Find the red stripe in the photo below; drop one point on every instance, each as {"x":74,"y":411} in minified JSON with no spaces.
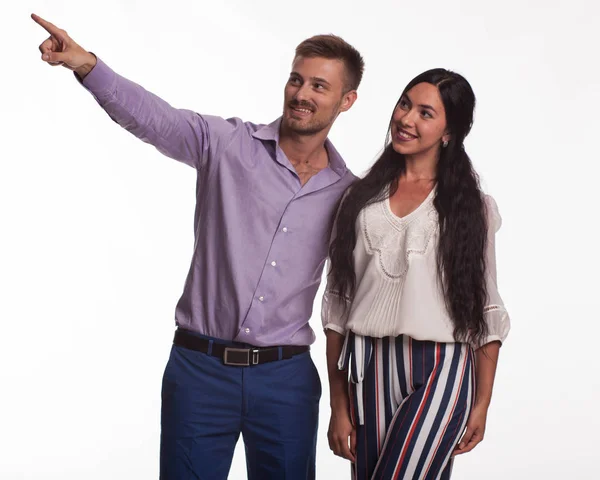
{"x":419,"y":413}
{"x":410,"y":369}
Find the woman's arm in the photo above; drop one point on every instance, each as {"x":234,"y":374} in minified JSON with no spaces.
{"x":486,"y":360}
{"x":340,"y":425}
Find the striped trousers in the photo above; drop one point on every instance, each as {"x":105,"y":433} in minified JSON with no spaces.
{"x":410,"y":401}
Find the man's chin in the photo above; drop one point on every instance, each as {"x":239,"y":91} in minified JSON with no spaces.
{"x":299,"y":127}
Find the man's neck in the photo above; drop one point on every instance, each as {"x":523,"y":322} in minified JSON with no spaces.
{"x":304,"y":149}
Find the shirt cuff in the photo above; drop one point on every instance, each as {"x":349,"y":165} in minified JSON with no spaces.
{"x":100,"y":82}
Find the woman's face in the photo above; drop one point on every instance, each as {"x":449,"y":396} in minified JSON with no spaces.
{"x":419,"y":121}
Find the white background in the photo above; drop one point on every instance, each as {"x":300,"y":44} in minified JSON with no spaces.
{"x":96,"y":227}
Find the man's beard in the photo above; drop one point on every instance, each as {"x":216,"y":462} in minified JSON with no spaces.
{"x":312,"y":127}
{"x":307,"y":129}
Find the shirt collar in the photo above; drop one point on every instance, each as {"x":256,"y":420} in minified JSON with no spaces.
{"x":271,"y":132}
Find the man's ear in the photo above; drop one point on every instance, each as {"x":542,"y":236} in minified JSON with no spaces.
{"x":348,"y":100}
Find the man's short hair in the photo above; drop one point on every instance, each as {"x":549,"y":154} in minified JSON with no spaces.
{"x":335,"y":48}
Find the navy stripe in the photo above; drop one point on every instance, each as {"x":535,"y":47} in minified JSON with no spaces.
{"x":387,"y":387}
{"x":353,"y":364}
{"x":399,"y":345}
{"x":447,"y":471}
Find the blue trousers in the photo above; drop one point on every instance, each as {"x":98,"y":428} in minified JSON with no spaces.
{"x":206,"y":405}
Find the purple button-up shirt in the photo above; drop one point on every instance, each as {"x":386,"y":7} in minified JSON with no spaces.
{"x":261,"y":238}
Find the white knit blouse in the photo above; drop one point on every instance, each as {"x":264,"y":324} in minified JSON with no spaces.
{"x":397,"y":288}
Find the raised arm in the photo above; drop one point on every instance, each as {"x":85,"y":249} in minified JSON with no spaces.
{"x":177,"y":133}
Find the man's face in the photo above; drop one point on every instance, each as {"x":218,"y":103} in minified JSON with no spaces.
{"x":315,"y":95}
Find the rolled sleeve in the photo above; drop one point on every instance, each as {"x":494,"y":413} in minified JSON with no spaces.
{"x":334,"y":312}
{"x":495,"y":314}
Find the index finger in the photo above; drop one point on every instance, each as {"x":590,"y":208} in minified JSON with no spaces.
{"x":49,"y":27}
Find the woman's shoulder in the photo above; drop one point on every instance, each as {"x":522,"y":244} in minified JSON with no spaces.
{"x":493,"y":213}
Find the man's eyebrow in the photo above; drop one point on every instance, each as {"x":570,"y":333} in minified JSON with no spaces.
{"x":320,"y":80}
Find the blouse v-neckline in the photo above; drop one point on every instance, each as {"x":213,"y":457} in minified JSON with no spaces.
{"x":406,"y":218}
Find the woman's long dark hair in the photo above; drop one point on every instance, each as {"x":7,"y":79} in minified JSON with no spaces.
{"x":459,"y":204}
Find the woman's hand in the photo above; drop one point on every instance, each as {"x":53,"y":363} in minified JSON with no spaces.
{"x":340,"y":429}
{"x":475,"y":430}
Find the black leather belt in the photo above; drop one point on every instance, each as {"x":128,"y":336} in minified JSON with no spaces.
{"x":234,"y":356}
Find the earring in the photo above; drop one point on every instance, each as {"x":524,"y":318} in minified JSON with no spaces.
{"x":445,"y":144}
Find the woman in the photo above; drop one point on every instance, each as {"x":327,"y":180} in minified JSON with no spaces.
{"x":411,"y":307}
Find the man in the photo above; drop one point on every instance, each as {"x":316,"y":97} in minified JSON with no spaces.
{"x":266,"y":195}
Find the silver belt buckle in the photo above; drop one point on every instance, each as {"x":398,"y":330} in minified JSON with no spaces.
{"x":229,"y":350}
{"x":246,"y":362}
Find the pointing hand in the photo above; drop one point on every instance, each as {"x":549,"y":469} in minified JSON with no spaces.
{"x":60,"y":49}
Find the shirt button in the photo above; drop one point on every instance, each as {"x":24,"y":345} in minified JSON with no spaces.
{"x":247,"y":330}
{"x":273,"y":263}
{"x":261,"y":298}
{"x":284,"y":229}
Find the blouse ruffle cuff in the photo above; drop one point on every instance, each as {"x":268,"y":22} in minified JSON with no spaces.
{"x":498,"y":322}
{"x":333,"y":314}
